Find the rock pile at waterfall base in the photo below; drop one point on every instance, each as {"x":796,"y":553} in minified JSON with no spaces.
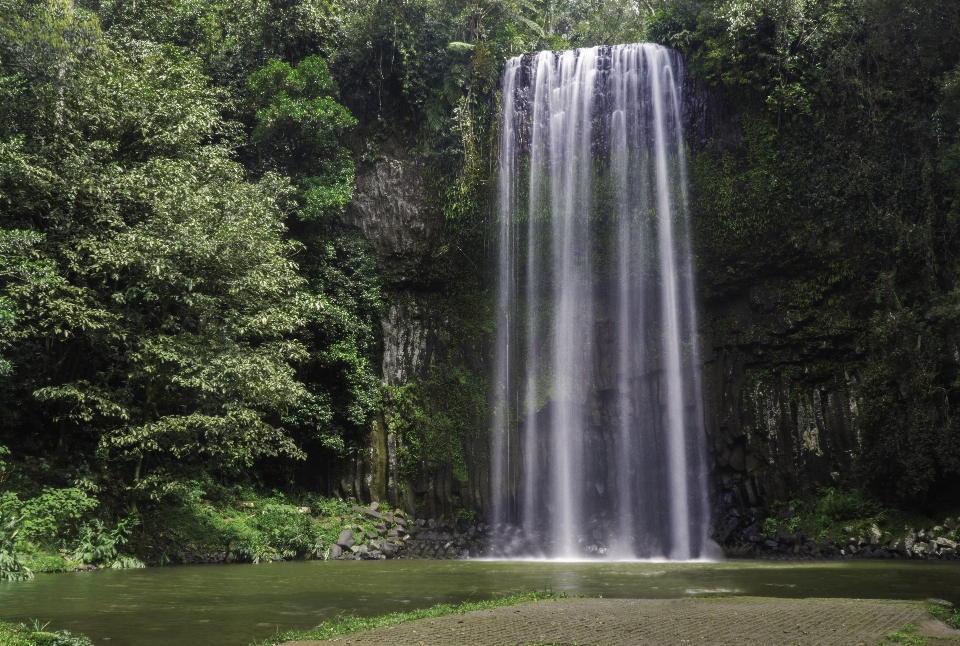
{"x":744,"y":537}
{"x":395,"y":537}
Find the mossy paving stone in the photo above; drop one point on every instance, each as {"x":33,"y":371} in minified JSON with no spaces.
{"x":740,"y":621}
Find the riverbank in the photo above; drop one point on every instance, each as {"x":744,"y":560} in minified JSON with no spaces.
{"x":740,"y":621}
{"x":37,"y":635}
{"x":233,"y":606}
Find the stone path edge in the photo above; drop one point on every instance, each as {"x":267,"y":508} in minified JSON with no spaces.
{"x":651,"y":622}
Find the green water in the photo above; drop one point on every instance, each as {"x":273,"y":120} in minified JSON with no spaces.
{"x":233,"y":605}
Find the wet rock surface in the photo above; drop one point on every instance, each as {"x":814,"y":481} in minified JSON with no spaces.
{"x":397,"y":537}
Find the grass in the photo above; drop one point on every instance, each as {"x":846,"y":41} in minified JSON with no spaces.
{"x":23,"y":635}
{"x":908,"y":636}
{"x":346,"y":624}
{"x":948,"y":616}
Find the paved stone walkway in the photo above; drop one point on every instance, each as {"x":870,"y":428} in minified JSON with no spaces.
{"x":734,"y":621}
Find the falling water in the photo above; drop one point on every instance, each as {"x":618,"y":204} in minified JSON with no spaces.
{"x":598,"y":444}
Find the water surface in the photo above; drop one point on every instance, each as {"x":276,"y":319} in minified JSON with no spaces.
{"x":233,"y":605}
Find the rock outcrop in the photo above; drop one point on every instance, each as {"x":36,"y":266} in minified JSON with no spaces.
{"x":391,"y":208}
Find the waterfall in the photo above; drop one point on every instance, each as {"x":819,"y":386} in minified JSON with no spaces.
{"x":598,"y":444}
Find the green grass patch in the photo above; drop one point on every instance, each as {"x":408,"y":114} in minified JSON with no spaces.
{"x":948,"y":616}
{"x":346,"y":624}
{"x":907,"y":636}
{"x":23,"y":635}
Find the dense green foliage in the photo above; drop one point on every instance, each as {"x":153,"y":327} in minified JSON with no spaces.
{"x":155,"y":320}
{"x":842,"y":191}
{"x":183,"y":310}
{"x":181,"y":304}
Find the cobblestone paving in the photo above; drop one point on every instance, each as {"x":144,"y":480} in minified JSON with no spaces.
{"x":739,"y":621}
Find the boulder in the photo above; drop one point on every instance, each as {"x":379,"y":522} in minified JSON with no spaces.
{"x":335,"y":552}
{"x":910,"y":540}
{"x":725,"y":528}
{"x":372,"y":513}
{"x":345,"y":540}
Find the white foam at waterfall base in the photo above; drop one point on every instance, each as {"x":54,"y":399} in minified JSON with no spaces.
{"x":597,"y":443}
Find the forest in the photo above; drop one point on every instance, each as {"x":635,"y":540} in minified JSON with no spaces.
{"x":188,"y":321}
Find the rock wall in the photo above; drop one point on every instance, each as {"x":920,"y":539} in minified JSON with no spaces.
{"x":422,"y":340}
{"x":390,"y":207}
{"x":781,"y":405}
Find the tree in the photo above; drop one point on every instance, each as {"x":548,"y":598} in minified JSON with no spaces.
{"x":163,"y":338}
{"x":299,"y":129}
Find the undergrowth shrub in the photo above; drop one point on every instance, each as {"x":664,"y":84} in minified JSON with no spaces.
{"x":45,"y":563}
{"x":248,"y":529}
{"x":838,"y":505}
{"x":98,"y":543}
{"x":831,"y":510}
{"x":281,"y":531}
{"x":11,"y":569}
{"x":51,"y":520}
{"x":22,"y":635}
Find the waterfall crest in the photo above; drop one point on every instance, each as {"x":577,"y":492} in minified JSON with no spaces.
{"x":598,"y":441}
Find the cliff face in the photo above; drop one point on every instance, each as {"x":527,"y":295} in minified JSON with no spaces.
{"x":390,"y":207}
{"x":781,"y":405}
{"x":423,"y":452}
